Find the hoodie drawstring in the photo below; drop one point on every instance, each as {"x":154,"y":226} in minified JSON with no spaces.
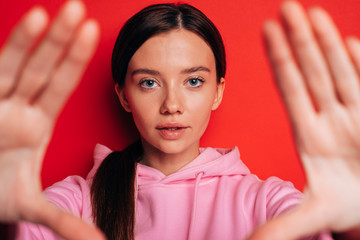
{"x":193,"y":214}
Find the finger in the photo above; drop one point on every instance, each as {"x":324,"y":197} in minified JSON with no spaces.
{"x":13,"y":52}
{"x":302,"y":222}
{"x":69,"y":73}
{"x":309,"y":56}
{"x":50,"y":50}
{"x":64,"y":224}
{"x":288,"y":76}
{"x":354,"y":50}
{"x":345,"y":76}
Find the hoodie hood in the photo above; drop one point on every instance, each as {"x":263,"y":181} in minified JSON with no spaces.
{"x":210,"y":162}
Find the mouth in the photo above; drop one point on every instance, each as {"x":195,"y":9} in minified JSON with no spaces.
{"x":171,"y":128}
{"x":171,"y":131}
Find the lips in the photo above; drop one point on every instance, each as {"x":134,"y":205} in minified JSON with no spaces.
{"x":171,"y":131}
{"x":173,"y":126}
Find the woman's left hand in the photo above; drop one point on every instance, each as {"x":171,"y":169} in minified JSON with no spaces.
{"x":318,"y":77}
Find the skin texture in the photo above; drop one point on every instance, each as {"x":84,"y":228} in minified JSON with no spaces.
{"x":317,"y":75}
{"x":171,"y":79}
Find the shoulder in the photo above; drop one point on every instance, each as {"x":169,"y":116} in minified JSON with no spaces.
{"x":248,"y":186}
{"x":278,"y":196}
{"x":274,"y":197}
{"x":71,"y":194}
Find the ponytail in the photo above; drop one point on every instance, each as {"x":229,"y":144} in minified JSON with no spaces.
{"x":113,"y":193}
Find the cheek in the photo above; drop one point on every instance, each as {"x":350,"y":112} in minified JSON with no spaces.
{"x":144,"y":111}
{"x":200,"y":108}
{"x":140,"y":115}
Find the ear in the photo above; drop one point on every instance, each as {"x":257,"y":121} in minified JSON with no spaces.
{"x":219,"y":94}
{"x":120,"y":91}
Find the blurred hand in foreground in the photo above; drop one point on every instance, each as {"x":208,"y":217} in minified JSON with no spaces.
{"x":36,"y":78}
{"x":318,"y":77}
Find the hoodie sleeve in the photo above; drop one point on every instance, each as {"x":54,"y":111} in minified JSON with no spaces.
{"x":279,"y":197}
{"x":71,"y":195}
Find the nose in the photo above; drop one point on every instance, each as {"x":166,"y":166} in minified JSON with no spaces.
{"x":172,"y":103}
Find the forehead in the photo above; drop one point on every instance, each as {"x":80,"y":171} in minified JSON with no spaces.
{"x":175,"y":49}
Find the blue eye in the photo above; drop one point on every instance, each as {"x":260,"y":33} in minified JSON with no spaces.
{"x":148,"y":84}
{"x":195,"y":82}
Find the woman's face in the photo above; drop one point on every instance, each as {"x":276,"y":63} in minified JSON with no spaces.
{"x":171,"y":89}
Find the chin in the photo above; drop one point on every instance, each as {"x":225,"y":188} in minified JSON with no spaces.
{"x":173,"y":147}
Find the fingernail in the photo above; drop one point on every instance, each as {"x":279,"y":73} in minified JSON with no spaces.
{"x":36,"y":20}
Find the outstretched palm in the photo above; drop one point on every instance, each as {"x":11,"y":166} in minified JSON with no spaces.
{"x":34,"y":86}
{"x":320,"y":84}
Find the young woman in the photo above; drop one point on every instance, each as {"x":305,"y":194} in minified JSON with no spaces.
{"x":169,"y":66}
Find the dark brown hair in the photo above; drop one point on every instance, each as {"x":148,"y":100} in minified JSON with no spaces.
{"x":113,"y":188}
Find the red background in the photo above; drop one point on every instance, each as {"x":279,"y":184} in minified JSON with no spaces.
{"x":251,"y":115}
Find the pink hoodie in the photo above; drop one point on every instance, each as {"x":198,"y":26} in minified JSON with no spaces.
{"x":213,"y":197}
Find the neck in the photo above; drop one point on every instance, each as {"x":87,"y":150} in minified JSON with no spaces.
{"x":168,"y":163}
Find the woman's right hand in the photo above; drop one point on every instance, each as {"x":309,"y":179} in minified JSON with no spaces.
{"x":35,"y":82}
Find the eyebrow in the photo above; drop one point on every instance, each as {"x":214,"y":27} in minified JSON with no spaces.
{"x":196,"y":69}
{"x":157,"y":73}
{"x":145,"y":71}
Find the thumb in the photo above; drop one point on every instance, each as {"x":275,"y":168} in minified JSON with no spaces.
{"x":303,"y":221}
{"x":64,"y":224}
